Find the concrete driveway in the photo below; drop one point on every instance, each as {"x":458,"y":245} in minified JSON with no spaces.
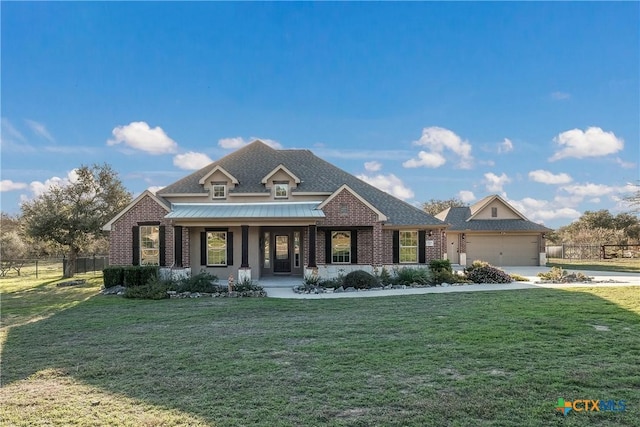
{"x":282,"y":287}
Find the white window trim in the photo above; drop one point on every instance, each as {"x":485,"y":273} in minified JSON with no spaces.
{"x":333,"y":233}
{"x":225,"y":248}
{"x":278,"y":185}
{"x":400,"y":246}
{"x":224,"y":191}
{"x":143,"y":248}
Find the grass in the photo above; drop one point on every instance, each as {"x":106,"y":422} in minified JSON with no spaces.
{"x":460,"y":359}
{"x":629,"y":265}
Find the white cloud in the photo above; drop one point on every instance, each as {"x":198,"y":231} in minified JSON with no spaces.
{"x":541,"y":211}
{"x":505,"y":146}
{"x":191,"y":160}
{"x":589,"y":190}
{"x":8,"y":185}
{"x":560,"y":96}
{"x":140,"y":136}
{"x":155,"y":188}
{"x":594,"y":142}
{"x":8,"y":130}
{"x":440,"y":140}
{"x":466,"y":196}
{"x":547,"y":177}
{"x":623,"y":164}
{"x":40,"y":130}
{"x":495,"y":183}
{"x":429,"y":160}
{"x":390,"y":184}
{"x":38,"y":188}
{"x":373,"y":166}
{"x":237,"y":142}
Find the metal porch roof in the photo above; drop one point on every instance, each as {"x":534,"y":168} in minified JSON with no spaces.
{"x":245,"y":210}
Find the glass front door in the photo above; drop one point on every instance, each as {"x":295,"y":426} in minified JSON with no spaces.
{"x":282,"y":262}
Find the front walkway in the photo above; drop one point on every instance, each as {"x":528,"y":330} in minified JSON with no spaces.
{"x":281,"y":286}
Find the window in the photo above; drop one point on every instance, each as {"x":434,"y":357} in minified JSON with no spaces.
{"x":408,"y":246}
{"x":219,"y":191}
{"x":341,"y":247}
{"x":344,"y":209}
{"x":149,"y":245}
{"x":494,"y":212}
{"x":296,"y":249}
{"x":267,"y":250}
{"x":216,"y":248}
{"x":281,"y":190}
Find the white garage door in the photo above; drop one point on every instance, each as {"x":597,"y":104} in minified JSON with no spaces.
{"x":503,"y":250}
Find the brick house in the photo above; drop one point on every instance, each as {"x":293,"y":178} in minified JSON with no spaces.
{"x":261,"y":212}
{"x":492,"y":230}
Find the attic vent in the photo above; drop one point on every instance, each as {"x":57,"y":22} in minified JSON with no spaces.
{"x":494,"y":212}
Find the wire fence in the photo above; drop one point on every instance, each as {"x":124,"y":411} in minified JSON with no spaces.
{"x":587,"y":252}
{"x":19,"y":267}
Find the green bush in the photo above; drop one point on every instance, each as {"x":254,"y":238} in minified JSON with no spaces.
{"x":441,"y":272}
{"x":385,"y":277}
{"x":201,"y":282}
{"x":411,"y":275}
{"x":488,"y":274}
{"x":334,"y":282}
{"x":246,"y":285}
{"x":360,"y":279}
{"x":113,"y":276}
{"x":139,"y":275}
{"x":155,"y":288}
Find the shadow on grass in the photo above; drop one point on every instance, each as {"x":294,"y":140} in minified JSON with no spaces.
{"x":409,"y":360}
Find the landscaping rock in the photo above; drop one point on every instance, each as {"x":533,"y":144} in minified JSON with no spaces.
{"x":114,"y":290}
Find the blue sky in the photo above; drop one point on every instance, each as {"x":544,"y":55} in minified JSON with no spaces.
{"x":537,"y":102}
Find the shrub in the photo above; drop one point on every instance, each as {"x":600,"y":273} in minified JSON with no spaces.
{"x":360,"y":279}
{"x":113,"y":276}
{"x":201,"y":282}
{"x":334,"y":282}
{"x":488,"y":274}
{"x":139,"y":275}
{"x":556,"y":273}
{"x":385,"y":277}
{"x":441,"y":272}
{"x":411,"y":275}
{"x":247,"y":285}
{"x":518,"y":278}
{"x":155,"y":288}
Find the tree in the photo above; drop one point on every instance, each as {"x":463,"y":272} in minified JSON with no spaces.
{"x":634,"y":199}
{"x":12,"y":244}
{"x":73,"y":214}
{"x":435,"y":206}
{"x":601,"y":227}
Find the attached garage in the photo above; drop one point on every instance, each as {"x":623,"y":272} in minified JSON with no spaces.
{"x":493,"y":231}
{"x":503,"y":249}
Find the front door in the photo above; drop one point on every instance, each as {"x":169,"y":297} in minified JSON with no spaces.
{"x":283,"y":254}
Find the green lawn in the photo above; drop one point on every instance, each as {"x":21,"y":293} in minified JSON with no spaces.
{"x":71,"y":357}
{"x":630,"y":265}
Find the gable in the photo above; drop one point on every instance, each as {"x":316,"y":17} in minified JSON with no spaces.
{"x":494,"y":208}
{"x":345,"y":205}
{"x":147,"y":204}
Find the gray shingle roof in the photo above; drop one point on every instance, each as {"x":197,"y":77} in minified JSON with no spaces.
{"x":457,"y":217}
{"x":253,"y":162}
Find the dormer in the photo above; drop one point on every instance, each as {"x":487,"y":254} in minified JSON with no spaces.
{"x":218,"y":182}
{"x":280,"y":181}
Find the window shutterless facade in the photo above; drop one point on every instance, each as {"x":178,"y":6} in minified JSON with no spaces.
{"x":408,"y":246}
{"x":281,"y":190}
{"x":149,"y":245}
{"x":217,"y":248}
{"x":341,"y":247}
{"x":219,"y":191}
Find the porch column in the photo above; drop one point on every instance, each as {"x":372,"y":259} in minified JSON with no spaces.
{"x":312,"y":246}
{"x":378,"y":244}
{"x":245,"y":247}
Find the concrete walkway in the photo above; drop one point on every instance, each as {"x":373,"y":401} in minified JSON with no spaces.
{"x":282,"y":287}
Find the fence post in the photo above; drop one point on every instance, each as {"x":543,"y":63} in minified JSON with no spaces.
{"x":36,"y":269}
